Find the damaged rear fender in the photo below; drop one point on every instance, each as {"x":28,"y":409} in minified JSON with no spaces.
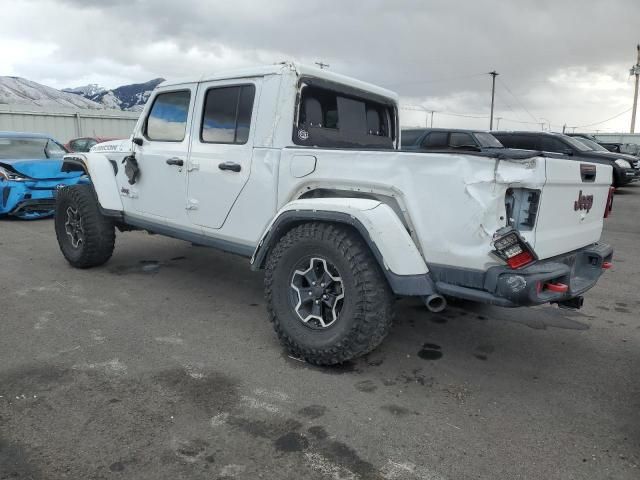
{"x":376,"y":222}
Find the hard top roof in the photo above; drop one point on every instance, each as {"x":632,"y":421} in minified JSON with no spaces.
{"x":280,"y":68}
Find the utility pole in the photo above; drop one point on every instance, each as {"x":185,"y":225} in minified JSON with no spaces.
{"x":564,"y":127}
{"x":432,"y":112}
{"x":322,"y":65}
{"x":635,"y":70}
{"x":498,"y":122}
{"x":493,"y":74}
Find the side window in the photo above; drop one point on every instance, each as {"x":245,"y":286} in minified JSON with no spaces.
{"x":460,"y":139}
{"x":328,"y":118}
{"x":227,"y":114}
{"x":435,"y":140}
{"x":90,"y":143}
{"x":167,"y":120}
{"x":525,"y":142}
{"x":549,"y":144}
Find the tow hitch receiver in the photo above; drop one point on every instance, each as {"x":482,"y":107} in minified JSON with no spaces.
{"x":574,"y":303}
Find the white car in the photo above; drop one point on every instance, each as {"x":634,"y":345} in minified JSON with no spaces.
{"x":299,"y":169}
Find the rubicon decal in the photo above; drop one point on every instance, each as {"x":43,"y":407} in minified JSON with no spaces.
{"x":584,"y":202}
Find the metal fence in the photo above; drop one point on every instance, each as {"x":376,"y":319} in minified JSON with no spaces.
{"x":65,"y":124}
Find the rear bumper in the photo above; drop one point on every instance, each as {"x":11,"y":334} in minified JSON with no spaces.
{"x":579,"y":270}
{"x":31,"y":199}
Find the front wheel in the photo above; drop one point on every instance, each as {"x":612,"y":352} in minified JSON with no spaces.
{"x":85,"y":236}
{"x":328,"y":299}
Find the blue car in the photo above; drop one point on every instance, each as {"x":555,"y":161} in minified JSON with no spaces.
{"x":30,"y":174}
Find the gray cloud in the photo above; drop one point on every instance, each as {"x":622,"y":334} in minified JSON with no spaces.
{"x":432,"y":52}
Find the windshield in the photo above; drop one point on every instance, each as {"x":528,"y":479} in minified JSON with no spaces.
{"x":21,"y":148}
{"x":577,"y":144}
{"x":596,"y":147}
{"x":488,"y":140}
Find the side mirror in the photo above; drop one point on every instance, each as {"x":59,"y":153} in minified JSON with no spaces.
{"x":138,"y":141}
{"x":568,"y":152}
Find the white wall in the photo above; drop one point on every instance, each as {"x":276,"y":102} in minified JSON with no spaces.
{"x":64,"y":125}
{"x":618,"y":137}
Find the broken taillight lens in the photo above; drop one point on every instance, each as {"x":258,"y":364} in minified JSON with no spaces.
{"x":609,"y":205}
{"x":512,"y":248}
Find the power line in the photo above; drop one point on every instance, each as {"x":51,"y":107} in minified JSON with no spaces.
{"x":437,"y":80}
{"x":420,"y":108}
{"x":517,"y":100}
{"x":603,"y":121}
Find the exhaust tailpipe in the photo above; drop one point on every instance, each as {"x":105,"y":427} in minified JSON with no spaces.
{"x":435,"y":303}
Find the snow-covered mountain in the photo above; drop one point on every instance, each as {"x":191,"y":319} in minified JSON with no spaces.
{"x":86,"y":91}
{"x":127,"y":97}
{"x":20,"y":91}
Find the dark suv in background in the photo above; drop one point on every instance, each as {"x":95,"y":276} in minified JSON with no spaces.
{"x":447,"y":140}
{"x":558,"y":144}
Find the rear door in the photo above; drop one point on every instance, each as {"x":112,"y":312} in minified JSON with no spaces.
{"x":222,"y":148}
{"x":571,"y":210}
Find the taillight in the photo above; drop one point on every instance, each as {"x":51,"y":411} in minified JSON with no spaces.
{"x":609,"y":205}
{"x":512,"y":248}
{"x":520,"y":260}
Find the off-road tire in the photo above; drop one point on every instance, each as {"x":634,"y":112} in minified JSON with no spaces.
{"x":367,"y":310}
{"x":98,"y":231}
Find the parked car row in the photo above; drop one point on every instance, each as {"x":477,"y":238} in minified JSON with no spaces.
{"x":626,"y":168}
{"x":30,"y":173}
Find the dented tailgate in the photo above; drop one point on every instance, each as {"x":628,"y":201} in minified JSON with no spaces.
{"x":571,"y":210}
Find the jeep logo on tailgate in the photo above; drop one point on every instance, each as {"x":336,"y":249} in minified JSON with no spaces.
{"x":584,"y":202}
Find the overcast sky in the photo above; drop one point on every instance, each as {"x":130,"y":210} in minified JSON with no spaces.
{"x":560,"y":61}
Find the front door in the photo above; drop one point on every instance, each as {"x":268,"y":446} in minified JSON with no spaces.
{"x":221,"y":148}
{"x":160,"y":190}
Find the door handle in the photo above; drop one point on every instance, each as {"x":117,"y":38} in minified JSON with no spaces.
{"x":234,"y":167}
{"x":175,"y":161}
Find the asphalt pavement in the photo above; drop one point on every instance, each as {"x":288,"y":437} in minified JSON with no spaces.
{"x":162,"y":364}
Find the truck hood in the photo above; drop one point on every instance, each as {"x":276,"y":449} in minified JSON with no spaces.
{"x":38,"y":168}
{"x":612,"y":156}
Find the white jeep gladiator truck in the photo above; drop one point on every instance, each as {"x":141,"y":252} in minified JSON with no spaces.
{"x":299,"y":169}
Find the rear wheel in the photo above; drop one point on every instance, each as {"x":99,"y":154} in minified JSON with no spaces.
{"x":85,"y":236}
{"x":328,"y":300}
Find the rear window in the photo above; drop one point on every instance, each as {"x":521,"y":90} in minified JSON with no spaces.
{"x":167,"y":120}
{"x":227,"y":114}
{"x":328,"y":118}
{"x":16,"y":148}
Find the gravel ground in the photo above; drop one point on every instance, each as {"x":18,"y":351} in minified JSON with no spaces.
{"x":162,"y":364}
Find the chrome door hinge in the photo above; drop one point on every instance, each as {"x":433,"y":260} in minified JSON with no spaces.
{"x":192,"y":204}
{"x":191,"y":166}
